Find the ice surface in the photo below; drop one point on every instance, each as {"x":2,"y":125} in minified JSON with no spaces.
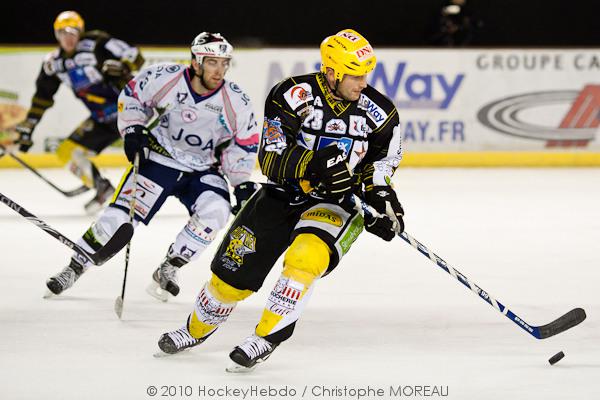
{"x":385,"y":317}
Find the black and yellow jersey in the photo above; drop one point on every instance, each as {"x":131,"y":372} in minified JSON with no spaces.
{"x":302,"y":116}
{"x":82,"y":72}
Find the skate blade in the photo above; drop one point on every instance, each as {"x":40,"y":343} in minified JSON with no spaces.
{"x":235,"y":368}
{"x":162,"y":354}
{"x":155,"y":291}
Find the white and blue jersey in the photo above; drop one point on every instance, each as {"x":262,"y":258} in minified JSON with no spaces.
{"x":193,"y":132}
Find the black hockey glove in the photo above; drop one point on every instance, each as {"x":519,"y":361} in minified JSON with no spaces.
{"x":136,"y":140}
{"x":25,"y":130}
{"x":382,"y":227}
{"x":328,"y":170}
{"x":383,"y":199}
{"x":242,"y":193}
{"x":115,"y":68}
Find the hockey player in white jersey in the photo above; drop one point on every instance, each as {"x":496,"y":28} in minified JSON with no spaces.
{"x":190,"y":128}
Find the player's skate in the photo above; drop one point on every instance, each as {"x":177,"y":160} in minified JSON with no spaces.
{"x":104,"y":191}
{"x":177,"y":341}
{"x":252,"y":351}
{"x":64,"y":279}
{"x":164,"y":280}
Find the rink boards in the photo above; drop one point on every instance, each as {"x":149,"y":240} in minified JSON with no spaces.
{"x":475,"y":107}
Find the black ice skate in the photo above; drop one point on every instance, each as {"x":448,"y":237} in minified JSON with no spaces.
{"x":254,"y":350}
{"x":177,"y":341}
{"x":65,"y":278}
{"x":104,"y":191}
{"x":164,"y":279}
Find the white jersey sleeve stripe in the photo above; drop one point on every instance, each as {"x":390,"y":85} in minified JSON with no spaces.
{"x":229,"y":112}
{"x":162,"y":92}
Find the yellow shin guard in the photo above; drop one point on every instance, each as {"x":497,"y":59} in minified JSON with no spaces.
{"x":215,"y":302}
{"x":69,"y":151}
{"x":306,"y":260}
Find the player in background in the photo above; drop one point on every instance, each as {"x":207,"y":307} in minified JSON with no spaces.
{"x":190,"y":127}
{"x":326,"y":136}
{"x":96,"y":67}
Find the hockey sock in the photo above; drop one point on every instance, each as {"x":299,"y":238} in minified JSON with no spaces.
{"x":214,"y":304}
{"x":305,"y":261}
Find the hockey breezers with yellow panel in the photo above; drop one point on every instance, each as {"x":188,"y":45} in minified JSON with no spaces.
{"x":559,"y":325}
{"x":67,"y":193}
{"x":112,"y":247}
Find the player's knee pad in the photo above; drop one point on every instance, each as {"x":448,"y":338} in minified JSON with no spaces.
{"x":195,"y":237}
{"x":76,"y":155}
{"x":214,"y":304}
{"x":306,"y":259}
{"x":225,"y":292}
{"x":64,"y":151}
{"x":67,"y":150}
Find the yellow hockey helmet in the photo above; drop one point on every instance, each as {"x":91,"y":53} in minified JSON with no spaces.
{"x":69,"y":21}
{"x":347,"y":52}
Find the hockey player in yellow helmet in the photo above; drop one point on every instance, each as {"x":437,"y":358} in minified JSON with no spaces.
{"x":326,"y":136}
{"x":95,"y":66}
{"x":68,"y":27}
{"x":347,"y":54}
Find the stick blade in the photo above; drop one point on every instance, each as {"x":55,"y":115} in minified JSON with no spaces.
{"x":76,"y":192}
{"x":561,"y":324}
{"x":119,"y":240}
{"x":119,"y":306}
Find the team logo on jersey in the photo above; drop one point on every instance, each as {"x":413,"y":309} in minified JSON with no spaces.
{"x":358,"y":126}
{"x":335,"y":126}
{"x":120,"y":106}
{"x":86,"y":45}
{"x":188,"y":116}
{"x":323,"y":215}
{"x":344,"y":143}
{"x":241,"y":242}
{"x":298,"y":95}
{"x":374,"y":112}
{"x":273,"y":136}
{"x":235,"y":87}
{"x":173,"y":68}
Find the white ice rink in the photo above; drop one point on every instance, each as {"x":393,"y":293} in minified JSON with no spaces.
{"x":386,"y":317}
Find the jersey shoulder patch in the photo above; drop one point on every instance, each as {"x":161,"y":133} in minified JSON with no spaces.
{"x":298,"y":96}
{"x":237,"y":95}
{"x":49,"y":63}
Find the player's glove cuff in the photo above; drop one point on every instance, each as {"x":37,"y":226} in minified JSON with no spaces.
{"x":136,"y":141}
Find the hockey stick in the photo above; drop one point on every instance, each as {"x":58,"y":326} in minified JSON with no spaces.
{"x":119,"y":300}
{"x":69,"y":193}
{"x":112,"y":247}
{"x":561,"y":324}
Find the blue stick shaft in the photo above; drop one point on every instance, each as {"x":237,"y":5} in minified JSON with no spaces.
{"x":532,"y":330}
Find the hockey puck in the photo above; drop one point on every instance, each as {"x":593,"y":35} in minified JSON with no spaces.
{"x":556,"y":358}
